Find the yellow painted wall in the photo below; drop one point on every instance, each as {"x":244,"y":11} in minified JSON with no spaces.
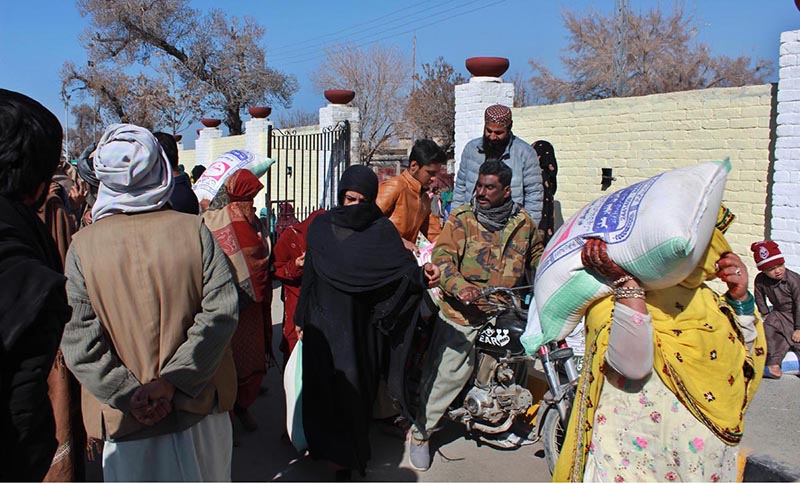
{"x":227,"y":143}
{"x":641,"y":136}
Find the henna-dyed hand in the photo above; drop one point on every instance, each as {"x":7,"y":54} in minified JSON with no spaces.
{"x":594,"y":257}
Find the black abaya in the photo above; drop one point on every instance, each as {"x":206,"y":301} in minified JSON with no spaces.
{"x":358,"y":282}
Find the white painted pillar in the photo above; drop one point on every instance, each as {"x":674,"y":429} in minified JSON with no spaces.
{"x":785,"y":224}
{"x":202,"y":146}
{"x":255,"y":135}
{"x":472,"y":99}
{"x":330,"y":167}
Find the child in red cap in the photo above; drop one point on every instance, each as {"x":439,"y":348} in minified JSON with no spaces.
{"x":782,"y":287}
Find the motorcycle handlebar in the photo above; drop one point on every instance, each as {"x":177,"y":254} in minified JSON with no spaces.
{"x":507,"y":291}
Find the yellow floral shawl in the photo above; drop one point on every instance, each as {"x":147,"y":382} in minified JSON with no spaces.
{"x":700,"y":356}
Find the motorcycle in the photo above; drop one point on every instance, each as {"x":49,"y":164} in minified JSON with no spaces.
{"x":496,"y":407}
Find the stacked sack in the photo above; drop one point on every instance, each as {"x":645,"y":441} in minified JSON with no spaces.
{"x":657,"y":230}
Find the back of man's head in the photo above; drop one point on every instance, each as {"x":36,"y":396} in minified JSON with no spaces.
{"x":30,"y":145}
{"x":197,"y":172}
{"x":499,"y":168}
{"x":170,"y":147}
{"x":427,"y":152}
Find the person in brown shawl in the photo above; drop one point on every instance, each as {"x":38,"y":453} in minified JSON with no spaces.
{"x":232,"y":219}
{"x":63,"y":389}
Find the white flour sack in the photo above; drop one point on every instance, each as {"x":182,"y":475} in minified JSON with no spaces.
{"x":657,"y":230}
{"x":228,"y":163}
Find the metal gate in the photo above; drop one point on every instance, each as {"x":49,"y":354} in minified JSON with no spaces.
{"x":305,"y":173}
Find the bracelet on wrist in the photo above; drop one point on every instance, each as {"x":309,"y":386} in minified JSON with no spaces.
{"x":742,"y":308}
{"x":629,"y":293}
{"x":622,"y":280}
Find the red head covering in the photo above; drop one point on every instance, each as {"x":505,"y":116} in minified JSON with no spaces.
{"x":767,"y":255}
{"x":498,"y":114}
{"x":242,"y":186}
{"x":233,"y":222}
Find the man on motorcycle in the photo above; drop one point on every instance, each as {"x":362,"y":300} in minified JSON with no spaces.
{"x":492,"y":241}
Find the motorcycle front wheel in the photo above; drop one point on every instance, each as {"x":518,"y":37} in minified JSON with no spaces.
{"x":553,"y":432}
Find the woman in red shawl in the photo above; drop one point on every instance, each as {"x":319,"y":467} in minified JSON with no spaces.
{"x":231,"y":217}
{"x":289,"y":257}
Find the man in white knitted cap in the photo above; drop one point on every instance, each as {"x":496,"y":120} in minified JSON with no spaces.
{"x":151,"y":325}
{"x":499,"y":143}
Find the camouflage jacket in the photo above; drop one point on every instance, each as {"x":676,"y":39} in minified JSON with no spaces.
{"x":468,"y":254}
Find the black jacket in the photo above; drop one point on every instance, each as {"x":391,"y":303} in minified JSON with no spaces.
{"x":183,"y":198}
{"x":33,"y":312}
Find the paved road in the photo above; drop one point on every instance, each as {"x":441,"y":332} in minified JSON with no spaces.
{"x":772,"y":431}
{"x":264,"y":456}
{"x":772,"y":427}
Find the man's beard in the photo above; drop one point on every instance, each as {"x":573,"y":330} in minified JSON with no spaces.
{"x":494,"y":151}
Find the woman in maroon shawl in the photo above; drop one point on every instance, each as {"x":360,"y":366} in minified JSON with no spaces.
{"x":231,"y":217}
{"x":286,"y":217}
{"x":289,"y":257}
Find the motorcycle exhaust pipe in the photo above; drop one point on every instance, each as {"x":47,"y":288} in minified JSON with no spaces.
{"x":494,"y":430}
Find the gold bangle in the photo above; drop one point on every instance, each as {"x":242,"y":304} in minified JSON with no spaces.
{"x":622,"y":280}
{"x":629,"y":293}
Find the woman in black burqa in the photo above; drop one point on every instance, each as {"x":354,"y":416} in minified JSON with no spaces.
{"x":358,"y":282}
{"x":549,"y":166}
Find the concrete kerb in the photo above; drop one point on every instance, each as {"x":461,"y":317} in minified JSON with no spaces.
{"x":762,"y":468}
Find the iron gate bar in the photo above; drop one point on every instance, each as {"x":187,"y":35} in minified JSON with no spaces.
{"x":321,"y":156}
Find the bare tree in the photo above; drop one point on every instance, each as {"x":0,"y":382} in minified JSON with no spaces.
{"x":659,"y":54}
{"x":180,"y":106}
{"x":214,"y":57}
{"x":380,"y":77}
{"x":522,"y":92}
{"x":121,"y":97}
{"x":85,"y":128}
{"x":296,"y":118}
{"x":431,"y":108}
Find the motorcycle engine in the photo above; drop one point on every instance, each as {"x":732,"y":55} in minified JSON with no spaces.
{"x":495,"y":404}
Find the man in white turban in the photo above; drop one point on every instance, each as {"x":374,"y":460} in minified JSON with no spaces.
{"x":151,"y":325}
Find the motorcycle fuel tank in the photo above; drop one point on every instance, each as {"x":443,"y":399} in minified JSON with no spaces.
{"x":503,"y":337}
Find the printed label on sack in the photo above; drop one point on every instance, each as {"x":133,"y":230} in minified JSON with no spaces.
{"x":611,"y":218}
{"x":217,"y":170}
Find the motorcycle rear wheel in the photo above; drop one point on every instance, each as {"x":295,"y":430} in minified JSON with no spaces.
{"x":553,"y":432}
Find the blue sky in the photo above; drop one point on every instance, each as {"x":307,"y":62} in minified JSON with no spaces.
{"x":38,"y":36}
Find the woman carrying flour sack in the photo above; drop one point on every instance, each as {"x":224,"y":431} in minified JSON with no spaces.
{"x":667,"y":376}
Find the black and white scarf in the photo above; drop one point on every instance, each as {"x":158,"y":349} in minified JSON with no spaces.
{"x":495,"y":218}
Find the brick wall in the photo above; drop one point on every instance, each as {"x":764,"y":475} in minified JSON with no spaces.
{"x":642,"y":136}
